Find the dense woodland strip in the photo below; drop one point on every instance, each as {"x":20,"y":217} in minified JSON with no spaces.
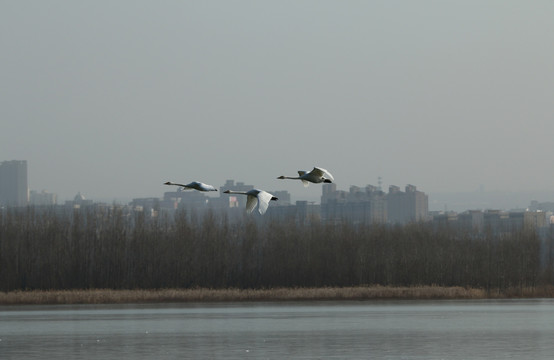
{"x":101,"y":248}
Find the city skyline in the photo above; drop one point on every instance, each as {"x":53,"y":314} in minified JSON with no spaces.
{"x":448,"y":201}
{"x":359,"y":205}
{"x":112,"y":99}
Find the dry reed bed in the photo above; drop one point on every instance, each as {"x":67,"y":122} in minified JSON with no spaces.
{"x":107,"y":296}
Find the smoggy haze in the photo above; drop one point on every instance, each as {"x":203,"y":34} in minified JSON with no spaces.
{"x":113,"y":98}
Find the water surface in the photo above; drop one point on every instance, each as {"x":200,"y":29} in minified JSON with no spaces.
{"x":468,"y":329}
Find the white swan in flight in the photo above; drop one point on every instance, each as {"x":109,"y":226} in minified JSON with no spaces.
{"x":262,"y":198}
{"x":317,"y":175}
{"x":193,"y":185}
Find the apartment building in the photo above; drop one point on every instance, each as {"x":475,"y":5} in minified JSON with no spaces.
{"x":407,"y":206}
{"x":371,"y":205}
{"x":14,"y":190}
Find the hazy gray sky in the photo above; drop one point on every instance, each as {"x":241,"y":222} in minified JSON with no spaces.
{"x":112,"y":98}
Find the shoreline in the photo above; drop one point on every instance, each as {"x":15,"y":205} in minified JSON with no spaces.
{"x":358,"y":293}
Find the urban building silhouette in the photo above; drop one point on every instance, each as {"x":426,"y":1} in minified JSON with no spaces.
{"x":14,"y":190}
{"x":359,"y":205}
{"x":408,"y":206}
{"x":42,"y":198}
{"x":372,"y":205}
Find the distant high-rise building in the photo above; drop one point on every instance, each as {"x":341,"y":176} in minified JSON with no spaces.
{"x":359,"y":205}
{"x":409,"y":206}
{"x":42,"y":198}
{"x":371,"y":205}
{"x":14,"y":190}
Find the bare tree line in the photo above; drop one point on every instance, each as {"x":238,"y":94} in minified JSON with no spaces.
{"x":107,"y":248}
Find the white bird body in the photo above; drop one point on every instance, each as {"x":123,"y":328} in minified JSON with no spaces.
{"x":255,"y":196}
{"x":196,"y":185}
{"x":316,"y":176}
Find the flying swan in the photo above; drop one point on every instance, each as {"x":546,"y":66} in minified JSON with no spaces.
{"x":317,"y":175}
{"x":193,"y":185}
{"x":255,"y":196}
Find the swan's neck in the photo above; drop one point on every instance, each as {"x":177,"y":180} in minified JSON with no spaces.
{"x":236,"y":192}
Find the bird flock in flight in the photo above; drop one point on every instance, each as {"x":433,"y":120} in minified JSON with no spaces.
{"x":260,"y":197}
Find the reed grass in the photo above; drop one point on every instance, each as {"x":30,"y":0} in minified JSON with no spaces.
{"x":108,"y":296}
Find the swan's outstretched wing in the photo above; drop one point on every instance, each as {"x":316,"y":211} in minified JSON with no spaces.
{"x":305,"y":182}
{"x":200,"y":186}
{"x":321,"y":172}
{"x":251,"y":201}
{"x":193,"y":185}
{"x":263,"y":201}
